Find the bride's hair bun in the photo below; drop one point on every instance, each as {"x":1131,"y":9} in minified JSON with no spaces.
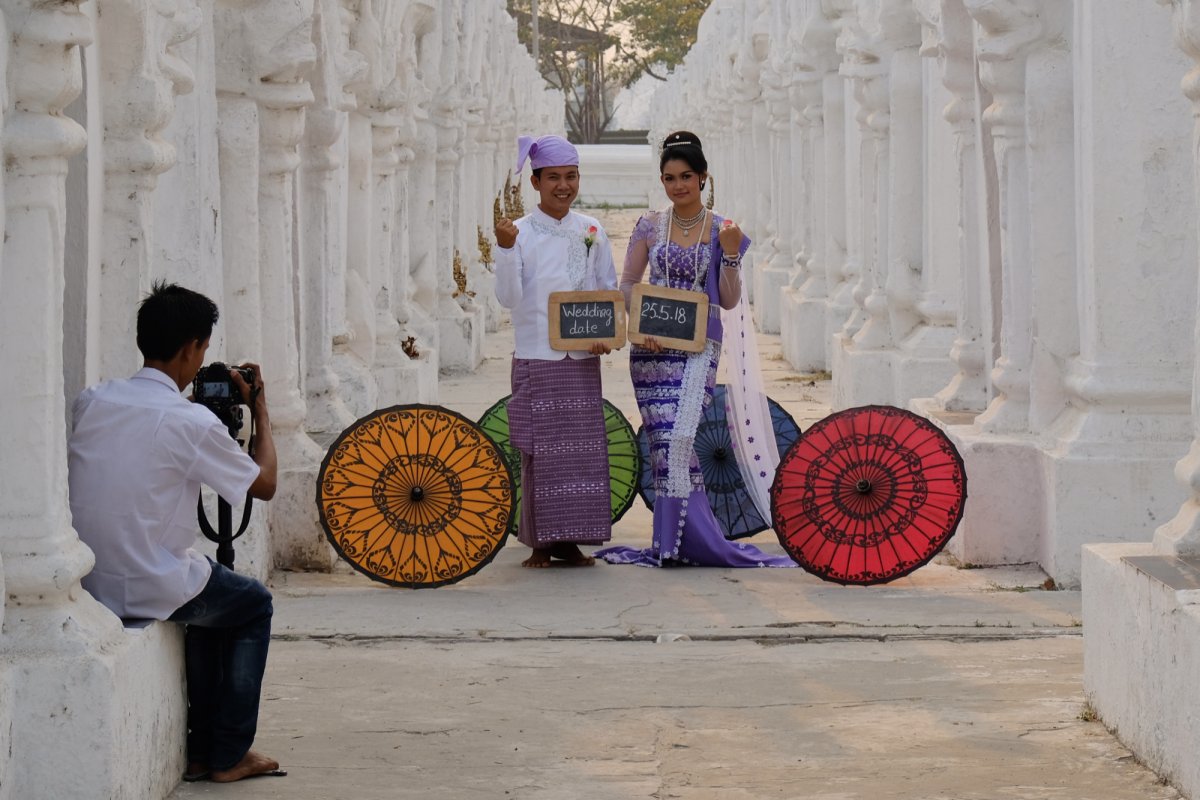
{"x":685,"y":146}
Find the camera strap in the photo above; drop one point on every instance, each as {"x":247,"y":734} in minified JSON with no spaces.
{"x":255,"y":390}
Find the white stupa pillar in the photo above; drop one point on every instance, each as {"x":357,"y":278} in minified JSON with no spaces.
{"x":459,"y":334}
{"x":482,"y":281}
{"x":296,"y":536}
{"x":889,"y":89}
{"x":1128,"y":417}
{"x":57,"y":644}
{"x":949,"y":37}
{"x":1140,"y":653}
{"x":841,"y":201}
{"x":1020,"y":51}
{"x":419,"y":331}
{"x":922,"y":282}
{"x":1180,"y":536}
{"x":422,"y":221}
{"x":363,"y":393}
{"x":282,"y":97}
{"x":820,"y":122}
{"x":460,"y":321}
{"x":846,"y":300}
{"x":186,"y":213}
{"x":861,"y":361}
{"x":758,"y":204}
{"x":394,"y":372}
{"x":350,"y":308}
{"x":775,"y":263}
{"x":319,"y":211}
{"x":239,"y":165}
{"x":138,"y":102}
{"x":1007,"y":37}
{"x":805,"y":129}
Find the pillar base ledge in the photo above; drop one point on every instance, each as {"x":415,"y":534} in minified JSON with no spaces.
{"x":461,"y":340}
{"x":1179,"y":537}
{"x":861,"y":377}
{"x":874,"y":334}
{"x":934,"y":411}
{"x":298,"y":541}
{"x":1141,"y":654}
{"x":768,"y":290}
{"x":1103,"y":495}
{"x":42,"y":565}
{"x":920,"y":376}
{"x":1005,"y":416}
{"x":1005,"y":490}
{"x":357,"y":386}
{"x":1154,"y":430}
{"x":115,"y":704}
{"x":965,"y":394}
{"x":802,"y":328}
{"x":414,"y":380}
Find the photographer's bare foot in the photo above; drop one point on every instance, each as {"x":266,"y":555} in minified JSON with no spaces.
{"x":252,"y":764}
{"x":540,"y":558}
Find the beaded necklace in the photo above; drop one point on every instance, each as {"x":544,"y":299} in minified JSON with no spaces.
{"x":686,"y":225}
{"x":695,"y":256}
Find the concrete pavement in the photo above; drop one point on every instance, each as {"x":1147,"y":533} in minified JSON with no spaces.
{"x":621,"y":682}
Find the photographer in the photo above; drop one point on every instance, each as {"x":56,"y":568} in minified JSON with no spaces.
{"x":139,"y":452}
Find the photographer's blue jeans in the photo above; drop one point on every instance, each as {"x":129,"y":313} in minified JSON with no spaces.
{"x":225,"y":651}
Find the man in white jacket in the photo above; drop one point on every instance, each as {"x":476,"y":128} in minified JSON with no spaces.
{"x":556,"y":416}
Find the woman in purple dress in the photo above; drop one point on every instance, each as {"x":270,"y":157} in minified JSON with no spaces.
{"x":687,"y":247}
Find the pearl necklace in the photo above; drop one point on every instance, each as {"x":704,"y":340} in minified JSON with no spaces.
{"x":686,"y":225}
{"x":695,"y":256}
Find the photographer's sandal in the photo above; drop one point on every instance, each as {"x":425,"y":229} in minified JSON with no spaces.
{"x":252,"y":765}
{"x":197,"y":772}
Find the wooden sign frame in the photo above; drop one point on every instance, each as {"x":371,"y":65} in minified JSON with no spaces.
{"x":554,"y":318}
{"x":644,"y":291}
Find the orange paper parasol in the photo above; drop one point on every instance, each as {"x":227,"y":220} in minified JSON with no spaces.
{"x":415,"y":496}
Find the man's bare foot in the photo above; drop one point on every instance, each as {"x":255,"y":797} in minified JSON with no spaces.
{"x":252,"y":764}
{"x":569,"y":555}
{"x":540,"y":558}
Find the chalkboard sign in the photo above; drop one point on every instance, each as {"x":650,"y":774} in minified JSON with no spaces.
{"x":580,"y":319}
{"x":677,"y":318}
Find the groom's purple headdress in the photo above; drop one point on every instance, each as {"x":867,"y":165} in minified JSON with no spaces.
{"x":548,"y":151}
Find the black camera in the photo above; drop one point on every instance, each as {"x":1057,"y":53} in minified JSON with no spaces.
{"x":213,"y":387}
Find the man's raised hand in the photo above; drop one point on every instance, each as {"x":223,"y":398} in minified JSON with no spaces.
{"x":506,"y":233}
{"x":259,"y":400}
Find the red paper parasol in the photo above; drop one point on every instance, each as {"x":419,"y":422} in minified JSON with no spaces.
{"x":868,"y":494}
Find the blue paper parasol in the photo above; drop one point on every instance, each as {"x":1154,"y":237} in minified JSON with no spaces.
{"x":727,"y":494}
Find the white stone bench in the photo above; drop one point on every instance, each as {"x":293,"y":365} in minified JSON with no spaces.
{"x":150,"y":711}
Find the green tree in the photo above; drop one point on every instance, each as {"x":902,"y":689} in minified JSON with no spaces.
{"x":660,"y":33}
{"x":575,"y":42}
{"x":588,"y":49}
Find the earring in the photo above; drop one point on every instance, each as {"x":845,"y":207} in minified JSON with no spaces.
{"x":702,"y":185}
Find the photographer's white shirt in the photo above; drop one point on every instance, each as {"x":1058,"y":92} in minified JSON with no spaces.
{"x":550,"y":255}
{"x":138,"y":453}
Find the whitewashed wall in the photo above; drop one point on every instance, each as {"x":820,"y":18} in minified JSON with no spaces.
{"x":979,"y":209}
{"x":311,"y":165}
{"x":986,"y":212}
